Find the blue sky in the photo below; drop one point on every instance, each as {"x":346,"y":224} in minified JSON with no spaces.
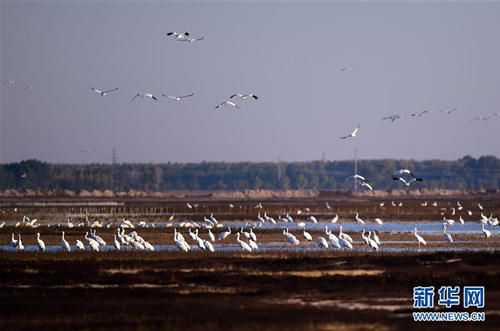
{"x":409,"y":57}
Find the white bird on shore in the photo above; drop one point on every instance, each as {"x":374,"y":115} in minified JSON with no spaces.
{"x":289,"y":218}
{"x":321,"y":242}
{"x":312,"y":219}
{"x":19,"y":246}
{"x":336,"y":218}
{"x":244,"y":96}
{"x":379,"y":221}
{"x":116,"y":242}
{"x":223,"y":235}
{"x":344,"y":235}
{"x":419,"y":239}
{"x":461,"y":220}
{"x":92,"y":243}
{"x":102,"y":93}
{"x":243,"y":244}
{"x":372,"y":243}
{"x":487,"y":233}
{"x":450,"y":222}
{"x":213,"y":219}
{"x":41,"y":244}
{"x":142,"y":95}
{"x":79,"y":245}
{"x":252,"y":235}
{"x":447,"y":236}
{"x":228,"y":103}
{"x":97,"y":238}
{"x":211,"y":236}
{"x":292,"y":240}
{"x":178,"y":35}
{"x":246,"y":234}
{"x":178,"y":235}
{"x":375,"y":237}
{"x":353,"y":134}
{"x":180,"y":244}
{"x":359,"y":220}
{"x":253,"y":244}
{"x":479,"y":205}
{"x":345,"y":243}
{"x":260,"y":219}
{"x":65,"y":244}
{"x":13,"y":242}
{"x":208,"y":246}
{"x":178,"y":98}
{"x":365,"y":239}
{"x":199,"y":242}
{"x":307,"y":235}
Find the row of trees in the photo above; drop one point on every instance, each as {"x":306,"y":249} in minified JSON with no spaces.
{"x":460,"y":174}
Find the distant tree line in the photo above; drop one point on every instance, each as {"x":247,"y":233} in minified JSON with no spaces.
{"x":466,"y":173}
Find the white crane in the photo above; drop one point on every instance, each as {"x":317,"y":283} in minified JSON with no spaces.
{"x":92,"y":243}
{"x":178,"y":35}
{"x":243,"y":244}
{"x":479,"y":118}
{"x":208,"y":245}
{"x":461,"y":220}
{"x":97,"y":238}
{"x":192,"y":235}
{"x":307,"y":235}
{"x":253,"y":245}
{"x":211,"y":236}
{"x":364,"y":184}
{"x":102,"y":93}
{"x":147,"y":95}
{"x":359,"y":220}
{"x":65,"y":244}
{"x":199,"y":242}
{"x":344,"y":235}
{"x":348,"y":69}
{"x":365,"y":239}
{"x":420,"y":114}
{"x":213,"y":219}
{"x":244,"y":96}
{"x":245,"y":234}
{"x":379,"y":221}
{"x":393,"y":117}
{"x":344,"y":243}
{"x":375,"y":237}
{"x":41,"y":244}
{"x":178,"y":98}
{"x":30,"y":88}
{"x":19,"y":246}
{"x":190,"y":39}
{"x":79,"y":245}
{"x":356,"y":176}
{"x":228,"y":103}
{"x":321,"y":242}
{"x":447,"y":236}
{"x":401,"y":172}
{"x":252,"y":235}
{"x":224,"y":235}
{"x":336,"y":218}
{"x":13,"y":242}
{"x":180,"y":244}
{"x":407,"y":183}
{"x":372,"y":243}
{"x":260,"y":219}
{"x":450,"y":222}
{"x":487,"y":233}
{"x":419,"y":239}
{"x":292,"y":240}
{"x":353,"y":134}
{"x":312,"y":219}
{"x":178,"y":235}
{"x":448,"y":111}
{"x":116,"y":243}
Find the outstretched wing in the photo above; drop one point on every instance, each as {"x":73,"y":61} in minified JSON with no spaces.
{"x":187,"y":96}
{"x":136,"y":96}
{"x":111,"y":90}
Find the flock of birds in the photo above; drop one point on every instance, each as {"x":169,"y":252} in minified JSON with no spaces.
{"x":183,"y":36}
{"x":341,"y":240}
{"x":397,"y":175}
{"x":394,"y":117}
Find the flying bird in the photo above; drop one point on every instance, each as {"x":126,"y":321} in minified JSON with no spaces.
{"x":479,"y":118}
{"x":88,"y":151}
{"x":178,"y":98}
{"x":228,"y":103}
{"x":356,"y":176}
{"x":448,"y":111}
{"x":364,"y":184}
{"x":401,"y":172}
{"x":393,"y":117}
{"x":10,"y":82}
{"x":178,"y":35}
{"x":348,"y":69}
{"x":142,"y":95}
{"x":102,"y":93}
{"x":407,"y":183}
{"x":24,"y":175}
{"x":353,"y":134}
{"x":30,"y":88}
{"x":420,"y":114}
{"x":190,"y":39}
{"x":244,"y":96}
{"x":494,"y":114}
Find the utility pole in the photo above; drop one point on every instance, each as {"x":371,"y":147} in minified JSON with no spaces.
{"x":355,"y":168}
{"x":323,"y":156}
{"x":279,"y":169}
